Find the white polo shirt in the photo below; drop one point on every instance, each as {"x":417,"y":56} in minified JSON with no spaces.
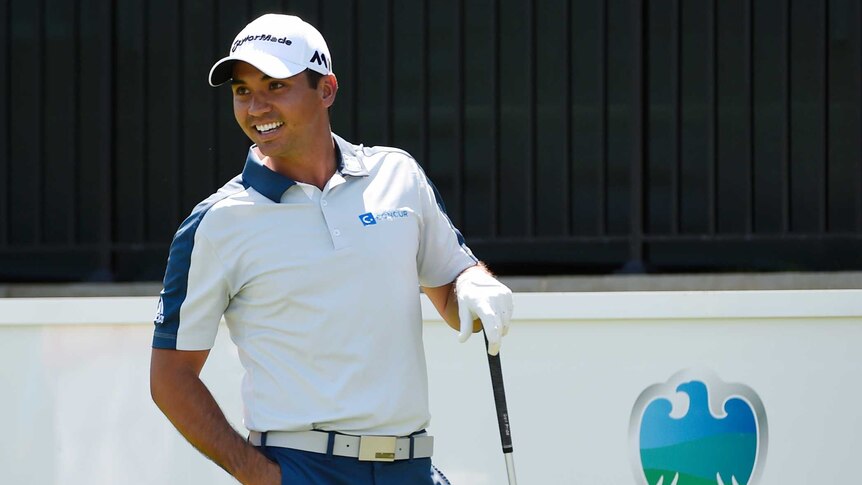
{"x":319,"y":290}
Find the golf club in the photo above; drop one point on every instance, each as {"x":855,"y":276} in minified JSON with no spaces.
{"x":502,"y":411}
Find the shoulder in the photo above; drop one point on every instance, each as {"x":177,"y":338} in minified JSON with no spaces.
{"x":229,"y":194}
{"x":385,"y":151}
{"x":234,"y":192}
{"x":374,"y":158}
{"x":390,"y":156}
{"x":393,"y":168}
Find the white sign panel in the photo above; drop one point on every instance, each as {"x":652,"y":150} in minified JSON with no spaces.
{"x":754,"y":388}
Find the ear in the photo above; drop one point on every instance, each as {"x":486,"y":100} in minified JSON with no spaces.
{"x":327,"y":88}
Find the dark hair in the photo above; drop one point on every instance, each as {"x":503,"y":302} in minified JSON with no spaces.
{"x":313,"y":77}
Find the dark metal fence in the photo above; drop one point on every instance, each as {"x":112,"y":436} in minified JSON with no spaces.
{"x":565,"y":136}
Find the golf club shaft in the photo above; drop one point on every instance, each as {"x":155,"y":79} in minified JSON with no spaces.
{"x":502,"y":412}
{"x":510,"y":468}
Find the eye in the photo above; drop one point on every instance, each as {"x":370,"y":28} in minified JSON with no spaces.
{"x":276,"y":85}
{"x":240,"y":90}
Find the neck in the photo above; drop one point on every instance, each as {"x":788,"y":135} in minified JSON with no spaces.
{"x":314,"y":164}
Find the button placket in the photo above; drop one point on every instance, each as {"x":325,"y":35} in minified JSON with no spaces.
{"x":331,"y":219}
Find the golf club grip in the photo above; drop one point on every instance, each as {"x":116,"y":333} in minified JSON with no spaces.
{"x":500,"y":400}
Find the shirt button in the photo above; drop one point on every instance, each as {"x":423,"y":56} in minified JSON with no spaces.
{"x":336,"y":233}
{"x":323,"y":203}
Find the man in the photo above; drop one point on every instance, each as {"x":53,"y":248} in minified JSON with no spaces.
{"x":314,"y":255}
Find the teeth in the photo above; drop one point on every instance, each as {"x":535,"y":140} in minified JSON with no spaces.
{"x":268,"y":126}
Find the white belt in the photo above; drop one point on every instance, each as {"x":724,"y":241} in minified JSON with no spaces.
{"x":365,"y":448}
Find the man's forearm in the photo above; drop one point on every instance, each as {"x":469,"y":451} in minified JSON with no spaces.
{"x":191,"y":408}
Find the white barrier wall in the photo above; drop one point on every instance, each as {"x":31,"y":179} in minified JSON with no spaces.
{"x":75,"y":403}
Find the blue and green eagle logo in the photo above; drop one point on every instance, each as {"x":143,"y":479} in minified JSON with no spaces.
{"x":698,"y":430}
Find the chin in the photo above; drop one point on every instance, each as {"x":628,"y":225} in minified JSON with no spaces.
{"x":269,"y":149}
{"x":263,"y":146}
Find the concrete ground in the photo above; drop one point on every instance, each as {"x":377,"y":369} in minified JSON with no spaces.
{"x":687,"y":282}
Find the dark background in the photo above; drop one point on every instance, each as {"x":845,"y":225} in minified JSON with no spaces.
{"x":565,"y":136}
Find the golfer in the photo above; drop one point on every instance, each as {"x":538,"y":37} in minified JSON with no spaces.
{"x":314,"y":255}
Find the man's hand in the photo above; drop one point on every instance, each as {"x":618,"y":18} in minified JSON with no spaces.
{"x":481,"y":296}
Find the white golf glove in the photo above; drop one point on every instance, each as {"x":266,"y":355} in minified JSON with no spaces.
{"x":481,"y":296}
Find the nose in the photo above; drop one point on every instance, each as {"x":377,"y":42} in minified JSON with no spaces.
{"x":258,"y":105}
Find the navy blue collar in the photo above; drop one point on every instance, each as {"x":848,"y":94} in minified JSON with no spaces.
{"x":273,"y":184}
{"x":264,"y":180}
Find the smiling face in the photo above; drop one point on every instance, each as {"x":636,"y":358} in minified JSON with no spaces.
{"x":282,"y":116}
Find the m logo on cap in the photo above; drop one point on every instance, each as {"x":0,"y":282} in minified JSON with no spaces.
{"x":320,"y":59}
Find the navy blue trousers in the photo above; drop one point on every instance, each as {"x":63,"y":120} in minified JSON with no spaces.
{"x":307,"y":468}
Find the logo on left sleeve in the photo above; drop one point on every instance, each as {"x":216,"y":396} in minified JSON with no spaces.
{"x":160,"y":313}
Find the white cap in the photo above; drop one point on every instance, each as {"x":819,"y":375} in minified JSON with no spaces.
{"x":280,"y":46}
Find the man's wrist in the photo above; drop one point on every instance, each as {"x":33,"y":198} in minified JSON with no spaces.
{"x":254,"y":468}
{"x":478,"y":271}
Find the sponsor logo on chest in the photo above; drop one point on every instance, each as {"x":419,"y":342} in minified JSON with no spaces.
{"x":372,"y":218}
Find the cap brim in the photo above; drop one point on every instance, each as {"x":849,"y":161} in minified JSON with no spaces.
{"x":222,"y":71}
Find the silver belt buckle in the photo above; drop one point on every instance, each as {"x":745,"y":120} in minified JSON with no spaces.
{"x":377,"y":448}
